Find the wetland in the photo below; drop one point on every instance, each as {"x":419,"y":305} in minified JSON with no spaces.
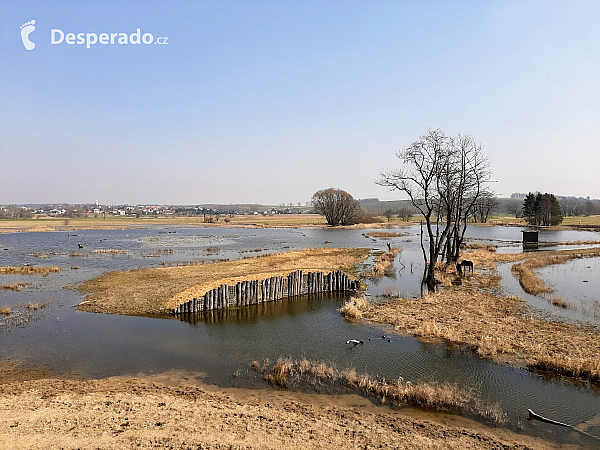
{"x":218,"y":347}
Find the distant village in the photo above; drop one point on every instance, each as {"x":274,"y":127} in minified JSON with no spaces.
{"x":99,"y":210}
{"x":569,"y":205}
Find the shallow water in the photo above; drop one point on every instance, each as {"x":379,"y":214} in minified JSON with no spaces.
{"x":220,"y":343}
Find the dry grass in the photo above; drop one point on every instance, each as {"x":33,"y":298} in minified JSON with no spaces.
{"x":79,"y":254}
{"x":5,"y":310}
{"x":28,"y":270}
{"x":353,"y":308}
{"x":525,"y":272}
{"x":495,"y":327}
{"x":158,"y":290}
{"x":383,"y":265}
{"x":13,"y":286}
{"x":436,"y":396}
{"x":384,"y":234}
{"x":557,"y":301}
{"x":389,"y":292}
{"x":477,"y":246}
{"x":551,"y":244}
{"x":111,"y":251}
{"x":36,"y":306}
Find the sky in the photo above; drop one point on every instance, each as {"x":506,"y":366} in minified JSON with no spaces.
{"x":269,"y":101}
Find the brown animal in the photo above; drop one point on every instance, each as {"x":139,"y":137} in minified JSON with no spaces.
{"x":466,"y":264}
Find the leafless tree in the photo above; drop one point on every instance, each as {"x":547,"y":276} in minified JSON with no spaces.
{"x":338,"y":207}
{"x":418,"y":178}
{"x":484,"y":206}
{"x":514,"y":208}
{"x":443,"y":177}
{"x":389,"y":214}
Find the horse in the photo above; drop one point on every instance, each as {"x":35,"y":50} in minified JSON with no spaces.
{"x":466,"y":264}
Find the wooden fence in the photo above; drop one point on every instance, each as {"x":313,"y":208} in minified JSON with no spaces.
{"x":246,"y":293}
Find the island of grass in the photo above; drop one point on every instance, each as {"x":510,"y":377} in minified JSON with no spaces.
{"x":501,"y":328}
{"x":157,"y":291}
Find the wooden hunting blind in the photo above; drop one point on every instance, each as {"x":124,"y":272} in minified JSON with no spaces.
{"x":530,"y":238}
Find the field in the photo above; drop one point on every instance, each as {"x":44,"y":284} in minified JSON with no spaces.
{"x":117,"y":222}
{"x":258,"y":221}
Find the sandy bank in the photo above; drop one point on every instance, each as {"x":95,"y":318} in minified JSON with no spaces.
{"x":166,"y":411}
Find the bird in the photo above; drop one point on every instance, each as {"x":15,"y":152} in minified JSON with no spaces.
{"x":354,"y":341}
{"x":80,"y":245}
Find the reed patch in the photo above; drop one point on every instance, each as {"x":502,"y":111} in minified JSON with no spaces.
{"x":287,"y":372}
{"x":354,"y":307}
{"x":13,"y":286}
{"x":497,"y":327}
{"x":28,"y":270}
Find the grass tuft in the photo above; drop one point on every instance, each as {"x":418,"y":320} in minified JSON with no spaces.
{"x":28,"y":270}
{"x":13,"y":286}
{"x":353,"y":308}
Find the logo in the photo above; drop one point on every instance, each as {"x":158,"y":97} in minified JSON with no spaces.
{"x":26,"y":30}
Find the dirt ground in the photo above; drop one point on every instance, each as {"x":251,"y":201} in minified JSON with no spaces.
{"x":175,"y":410}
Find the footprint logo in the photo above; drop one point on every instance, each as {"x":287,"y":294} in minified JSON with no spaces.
{"x":26,"y":30}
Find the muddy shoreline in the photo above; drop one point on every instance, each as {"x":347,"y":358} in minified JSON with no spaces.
{"x":176,"y":410}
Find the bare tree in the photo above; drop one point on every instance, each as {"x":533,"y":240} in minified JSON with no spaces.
{"x":418,"y":178}
{"x":389,"y":214}
{"x":443,"y":177}
{"x":405,"y":213}
{"x":461,"y":185}
{"x":514,"y":208}
{"x":338,"y":207}
{"x":484,"y":206}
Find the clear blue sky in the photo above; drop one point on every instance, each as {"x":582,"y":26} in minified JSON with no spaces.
{"x":269,"y":101}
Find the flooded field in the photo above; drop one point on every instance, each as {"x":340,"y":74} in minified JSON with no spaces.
{"x":223,"y":343}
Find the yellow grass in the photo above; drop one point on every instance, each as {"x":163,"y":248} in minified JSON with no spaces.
{"x":525,"y":272}
{"x":28,"y":270}
{"x":383,"y":264}
{"x":495,"y":327}
{"x":5,"y":310}
{"x":13,"y":286}
{"x":118,"y":222}
{"x":429,"y":395}
{"x":158,"y":290}
{"x":353,"y":308}
{"x":385,"y":234}
{"x":110,"y":251}
{"x":582,"y":220}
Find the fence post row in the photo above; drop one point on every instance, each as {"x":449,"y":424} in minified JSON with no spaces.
{"x":270,"y":289}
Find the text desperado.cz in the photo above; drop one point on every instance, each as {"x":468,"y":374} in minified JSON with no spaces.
{"x":58,"y":37}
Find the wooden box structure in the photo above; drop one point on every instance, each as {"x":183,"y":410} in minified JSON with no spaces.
{"x":530,"y":239}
